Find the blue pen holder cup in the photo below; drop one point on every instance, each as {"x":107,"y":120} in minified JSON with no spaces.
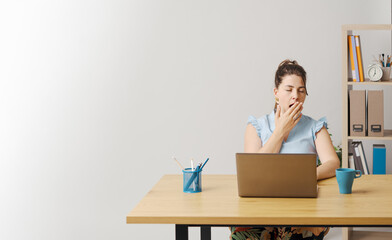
{"x":192,"y":180}
{"x":345,"y":178}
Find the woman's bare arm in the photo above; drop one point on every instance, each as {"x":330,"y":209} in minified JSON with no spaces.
{"x":253,"y":143}
{"x":326,"y":152}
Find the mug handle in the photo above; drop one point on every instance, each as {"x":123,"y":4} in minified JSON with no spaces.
{"x":356,"y":172}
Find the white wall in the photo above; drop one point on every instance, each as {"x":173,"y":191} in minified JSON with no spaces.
{"x":97,"y":96}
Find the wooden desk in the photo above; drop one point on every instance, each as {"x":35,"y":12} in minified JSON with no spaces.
{"x":218,"y":204}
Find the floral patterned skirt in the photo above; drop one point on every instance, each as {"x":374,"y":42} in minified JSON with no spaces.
{"x":279,"y":233}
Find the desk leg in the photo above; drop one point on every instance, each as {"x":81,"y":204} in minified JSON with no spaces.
{"x":181,"y":232}
{"x":205,"y":232}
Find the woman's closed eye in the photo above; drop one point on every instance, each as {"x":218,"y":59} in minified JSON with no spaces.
{"x":300,"y":90}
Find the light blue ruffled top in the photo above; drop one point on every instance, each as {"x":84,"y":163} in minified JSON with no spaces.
{"x":301,"y":138}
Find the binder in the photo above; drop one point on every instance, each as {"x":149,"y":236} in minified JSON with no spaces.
{"x":351,"y":161}
{"x":357,"y":99}
{"x":355,"y":58}
{"x":359,"y":57}
{"x":375,"y":113}
{"x":351,"y":49}
{"x":351,"y":153}
{"x":357,"y":158}
{"x":379,"y":159}
{"x":363,"y":158}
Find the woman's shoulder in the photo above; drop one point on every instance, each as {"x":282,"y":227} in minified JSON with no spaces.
{"x":264,"y":119}
{"x":314,"y":125}
{"x":261,"y":118}
{"x":261,"y":124}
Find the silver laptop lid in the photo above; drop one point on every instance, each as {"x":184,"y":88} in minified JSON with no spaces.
{"x":276,"y":175}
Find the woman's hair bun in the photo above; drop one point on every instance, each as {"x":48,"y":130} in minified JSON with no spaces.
{"x":288,"y":62}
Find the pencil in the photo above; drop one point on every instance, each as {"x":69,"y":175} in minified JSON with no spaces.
{"x":179,"y":164}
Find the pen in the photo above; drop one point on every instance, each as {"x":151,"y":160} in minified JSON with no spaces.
{"x":193,"y":184}
{"x":197,"y":176}
{"x":191,"y":181}
{"x":204,"y":163}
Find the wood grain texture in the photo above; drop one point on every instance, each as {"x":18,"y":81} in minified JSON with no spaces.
{"x":219,"y":203}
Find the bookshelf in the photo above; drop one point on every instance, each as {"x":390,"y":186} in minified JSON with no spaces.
{"x":348,"y":84}
{"x":387,"y":136}
{"x":367,"y":82}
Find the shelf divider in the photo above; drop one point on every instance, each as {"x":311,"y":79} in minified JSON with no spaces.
{"x":387,"y":136}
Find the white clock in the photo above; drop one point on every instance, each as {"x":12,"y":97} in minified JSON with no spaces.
{"x":374,"y":72}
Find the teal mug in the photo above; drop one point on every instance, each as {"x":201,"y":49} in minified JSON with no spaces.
{"x":345,"y":177}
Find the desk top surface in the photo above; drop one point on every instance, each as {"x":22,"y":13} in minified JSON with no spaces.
{"x":369,"y":204}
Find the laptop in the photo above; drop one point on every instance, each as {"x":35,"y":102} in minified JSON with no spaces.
{"x":276,"y":175}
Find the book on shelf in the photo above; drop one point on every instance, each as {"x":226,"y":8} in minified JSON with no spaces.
{"x":379,"y":159}
{"x":363,"y":158}
{"x":355,"y":57}
{"x":351,"y":151}
{"x":351,"y":48}
{"x":359,"y":57}
{"x":357,"y":157}
{"x":351,"y":161}
{"x":359,"y":161}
